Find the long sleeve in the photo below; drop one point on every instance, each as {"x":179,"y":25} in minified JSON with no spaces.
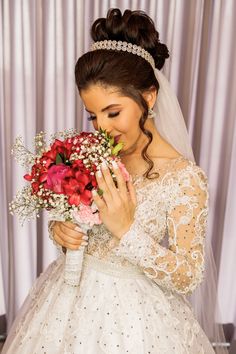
{"x":179,"y":267}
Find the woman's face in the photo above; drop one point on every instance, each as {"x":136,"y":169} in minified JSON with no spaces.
{"x":119,"y":115}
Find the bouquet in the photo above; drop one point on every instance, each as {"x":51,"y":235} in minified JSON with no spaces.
{"x":60,"y":179}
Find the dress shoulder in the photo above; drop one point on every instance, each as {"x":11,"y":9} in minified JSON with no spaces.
{"x":173,"y":170}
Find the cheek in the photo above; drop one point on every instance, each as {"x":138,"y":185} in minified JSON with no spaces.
{"x":130,"y":120}
{"x":132,"y":124}
{"x":130,"y":133}
{"x":128,"y":128}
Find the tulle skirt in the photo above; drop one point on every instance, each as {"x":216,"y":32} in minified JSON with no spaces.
{"x":115,"y":310}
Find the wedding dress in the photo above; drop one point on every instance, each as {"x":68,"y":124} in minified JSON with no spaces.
{"x":132,"y":293}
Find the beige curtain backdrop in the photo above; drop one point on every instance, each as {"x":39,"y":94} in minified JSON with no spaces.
{"x":40,"y":41}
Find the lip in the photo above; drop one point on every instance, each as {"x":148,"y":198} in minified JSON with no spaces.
{"x":117,"y":138}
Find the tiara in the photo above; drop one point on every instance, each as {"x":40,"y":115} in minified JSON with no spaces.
{"x":126,"y":47}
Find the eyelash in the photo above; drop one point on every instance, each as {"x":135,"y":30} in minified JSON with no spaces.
{"x":110,"y":115}
{"x":91,"y":118}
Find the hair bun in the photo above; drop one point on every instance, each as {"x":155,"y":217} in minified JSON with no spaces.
{"x":135,"y":27}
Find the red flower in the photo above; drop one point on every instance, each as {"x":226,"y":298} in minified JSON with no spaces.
{"x":55,"y":177}
{"x":59,"y":147}
{"x":28,"y":177}
{"x":74,"y":199}
{"x":35,"y":187}
{"x":86,"y":197}
{"x":71,"y":186}
{"x":77,"y":184}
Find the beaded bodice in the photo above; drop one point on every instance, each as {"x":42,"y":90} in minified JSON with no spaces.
{"x":166,"y":239}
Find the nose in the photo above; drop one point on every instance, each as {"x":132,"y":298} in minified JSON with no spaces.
{"x":105,"y":124}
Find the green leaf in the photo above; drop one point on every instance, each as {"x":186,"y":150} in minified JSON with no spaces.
{"x":111,"y":141}
{"x":102,"y":131}
{"x":59,"y":159}
{"x":107,"y":136}
{"x":116,"y":149}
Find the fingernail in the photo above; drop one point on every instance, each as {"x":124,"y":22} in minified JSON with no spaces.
{"x":94,"y":192}
{"x":84,"y":243}
{"x":77,"y":228}
{"x":99,"y":173}
{"x":114,"y":164}
{"x":85,"y":237}
{"x":130,"y":178}
{"x":104,"y":165}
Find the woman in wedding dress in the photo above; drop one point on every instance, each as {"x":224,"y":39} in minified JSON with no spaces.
{"x":148,"y":253}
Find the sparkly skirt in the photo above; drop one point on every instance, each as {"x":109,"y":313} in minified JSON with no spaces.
{"x":115,"y":310}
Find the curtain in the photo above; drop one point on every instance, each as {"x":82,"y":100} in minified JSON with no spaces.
{"x":40,"y":42}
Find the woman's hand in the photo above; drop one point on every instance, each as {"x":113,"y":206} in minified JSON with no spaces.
{"x":69,"y":235}
{"x":116,"y":205}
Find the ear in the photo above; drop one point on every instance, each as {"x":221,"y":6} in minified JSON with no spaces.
{"x":150,"y":96}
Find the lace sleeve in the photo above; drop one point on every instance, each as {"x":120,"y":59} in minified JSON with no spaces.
{"x":179,"y":267}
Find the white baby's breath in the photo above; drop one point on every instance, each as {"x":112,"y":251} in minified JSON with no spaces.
{"x":22,"y":155}
{"x":29,"y":201}
{"x":25,"y":205}
{"x":65,"y":134}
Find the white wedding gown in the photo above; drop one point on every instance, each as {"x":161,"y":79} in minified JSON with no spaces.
{"x":131,"y":297}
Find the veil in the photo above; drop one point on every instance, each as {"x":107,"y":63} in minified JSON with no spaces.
{"x":171,"y":125}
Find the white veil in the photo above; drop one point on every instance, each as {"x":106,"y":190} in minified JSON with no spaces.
{"x":171,"y":125}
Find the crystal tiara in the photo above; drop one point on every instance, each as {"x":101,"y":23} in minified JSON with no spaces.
{"x":126,"y":47}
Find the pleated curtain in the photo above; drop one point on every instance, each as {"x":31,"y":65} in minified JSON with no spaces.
{"x":40,"y":42}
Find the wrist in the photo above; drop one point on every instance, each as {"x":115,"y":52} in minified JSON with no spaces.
{"x":123,"y":231}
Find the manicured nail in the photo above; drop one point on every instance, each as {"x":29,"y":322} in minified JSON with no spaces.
{"x":114,"y":164}
{"x":85,"y":237}
{"x":94,"y":192}
{"x":84,"y":243}
{"x":104,"y":165}
{"x":99,"y":173}
{"x":77,"y":228}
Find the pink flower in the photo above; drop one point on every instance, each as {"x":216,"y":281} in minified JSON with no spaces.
{"x":86,"y":215}
{"x":124,"y":172}
{"x":55,"y":177}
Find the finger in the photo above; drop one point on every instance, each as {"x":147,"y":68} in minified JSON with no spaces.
{"x":109,"y":180}
{"x":100,"y":203}
{"x":68,"y":224}
{"x":121,"y":183}
{"x":72,"y":226}
{"x":132,"y":191}
{"x":65,"y":235}
{"x":74,"y":233}
{"x":103,"y":185}
{"x":69,"y":243}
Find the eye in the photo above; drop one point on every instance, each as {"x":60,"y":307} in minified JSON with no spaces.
{"x":112,"y":115}
{"x":91,"y":117}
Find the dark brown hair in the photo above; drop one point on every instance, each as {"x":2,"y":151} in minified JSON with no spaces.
{"x":130,"y":73}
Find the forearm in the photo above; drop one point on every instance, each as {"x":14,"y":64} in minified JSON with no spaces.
{"x":169,"y":269}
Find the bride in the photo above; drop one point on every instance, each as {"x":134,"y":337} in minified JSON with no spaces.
{"x":148,"y":253}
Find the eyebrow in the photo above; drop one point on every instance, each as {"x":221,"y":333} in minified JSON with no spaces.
{"x":106,"y":108}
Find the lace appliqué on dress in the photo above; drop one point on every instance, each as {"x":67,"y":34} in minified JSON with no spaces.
{"x":179,"y":267}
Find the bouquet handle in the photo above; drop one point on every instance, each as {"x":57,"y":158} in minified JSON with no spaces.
{"x":74,"y":264}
